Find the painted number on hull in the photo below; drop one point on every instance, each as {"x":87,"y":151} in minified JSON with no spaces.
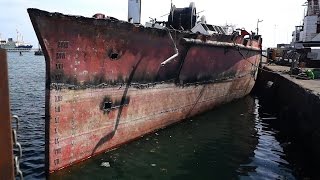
{"x":56,"y":141}
{"x":59,"y":66}
{"x":58,"y":88}
{"x":56,"y":146}
{"x":56,"y":120}
{"x":58,"y":98}
{"x":63,"y":44}
{"x":58,"y":109}
{"x":56,"y":162}
{"x":57,"y":151}
{"x":60,"y":55}
{"x":58,"y":77}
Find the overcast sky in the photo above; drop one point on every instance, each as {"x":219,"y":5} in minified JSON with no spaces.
{"x":279,"y":16}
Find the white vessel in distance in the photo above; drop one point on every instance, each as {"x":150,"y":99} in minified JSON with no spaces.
{"x":15,"y":46}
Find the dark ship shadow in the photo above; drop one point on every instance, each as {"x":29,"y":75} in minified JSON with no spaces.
{"x":109,"y":136}
{"x":197,"y":101}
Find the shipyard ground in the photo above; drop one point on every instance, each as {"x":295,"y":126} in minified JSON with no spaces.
{"x":298,"y":102}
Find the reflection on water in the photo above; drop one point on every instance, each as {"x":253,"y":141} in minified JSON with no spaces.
{"x":268,"y":161}
{"x":234,"y":141}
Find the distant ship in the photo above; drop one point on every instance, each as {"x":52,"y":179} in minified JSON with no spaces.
{"x":38,"y":52}
{"x":15,"y":46}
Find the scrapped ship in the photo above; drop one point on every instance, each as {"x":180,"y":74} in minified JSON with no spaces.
{"x":110,"y":81}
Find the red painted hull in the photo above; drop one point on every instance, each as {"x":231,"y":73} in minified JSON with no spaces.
{"x":105,"y":84}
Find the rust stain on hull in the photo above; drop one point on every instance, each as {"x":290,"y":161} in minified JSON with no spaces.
{"x":105,"y":84}
{"x":83,"y":130}
{"x":6,"y":155}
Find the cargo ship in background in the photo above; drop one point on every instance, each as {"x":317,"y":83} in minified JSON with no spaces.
{"x":15,"y":46}
{"x":110,"y":81}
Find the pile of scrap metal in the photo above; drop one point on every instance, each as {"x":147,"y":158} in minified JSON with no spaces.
{"x":305,"y":74}
{"x":296,"y":59}
{"x":313,"y":73}
{"x":289,"y":56}
{"x":285,"y":56}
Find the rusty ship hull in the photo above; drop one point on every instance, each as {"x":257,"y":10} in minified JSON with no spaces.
{"x":105,"y":84}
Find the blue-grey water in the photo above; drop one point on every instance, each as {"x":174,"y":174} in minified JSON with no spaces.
{"x":234,"y":141}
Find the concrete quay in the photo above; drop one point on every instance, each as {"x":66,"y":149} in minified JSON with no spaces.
{"x":298,"y":102}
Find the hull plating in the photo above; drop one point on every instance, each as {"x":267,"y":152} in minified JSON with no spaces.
{"x":81,"y":128}
{"x":105,"y":84}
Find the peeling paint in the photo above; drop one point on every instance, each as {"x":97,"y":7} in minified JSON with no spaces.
{"x":113,"y":88}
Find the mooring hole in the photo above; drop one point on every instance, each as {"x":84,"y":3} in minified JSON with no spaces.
{"x":107,"y":106}
{"x":114,"y":56}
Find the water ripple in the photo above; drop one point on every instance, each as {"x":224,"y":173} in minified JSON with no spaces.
{"x":268,"y":160}
{"x":27,"y":84}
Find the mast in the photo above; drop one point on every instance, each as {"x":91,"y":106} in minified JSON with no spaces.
{"x":313,"y":7}
{"x":17,"y":35}
{"x":134,"y":11}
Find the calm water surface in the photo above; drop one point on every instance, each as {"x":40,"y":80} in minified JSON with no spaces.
{"x":235,"y":141}
{"x":27,"y":93}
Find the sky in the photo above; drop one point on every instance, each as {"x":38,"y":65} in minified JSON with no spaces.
{"x":279,"y":16}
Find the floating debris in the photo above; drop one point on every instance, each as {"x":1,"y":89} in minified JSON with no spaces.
{"x":164,"y":169}
{"x":269,"y":118}
{"x":105,"y":164}
{"x":152,"y":150}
